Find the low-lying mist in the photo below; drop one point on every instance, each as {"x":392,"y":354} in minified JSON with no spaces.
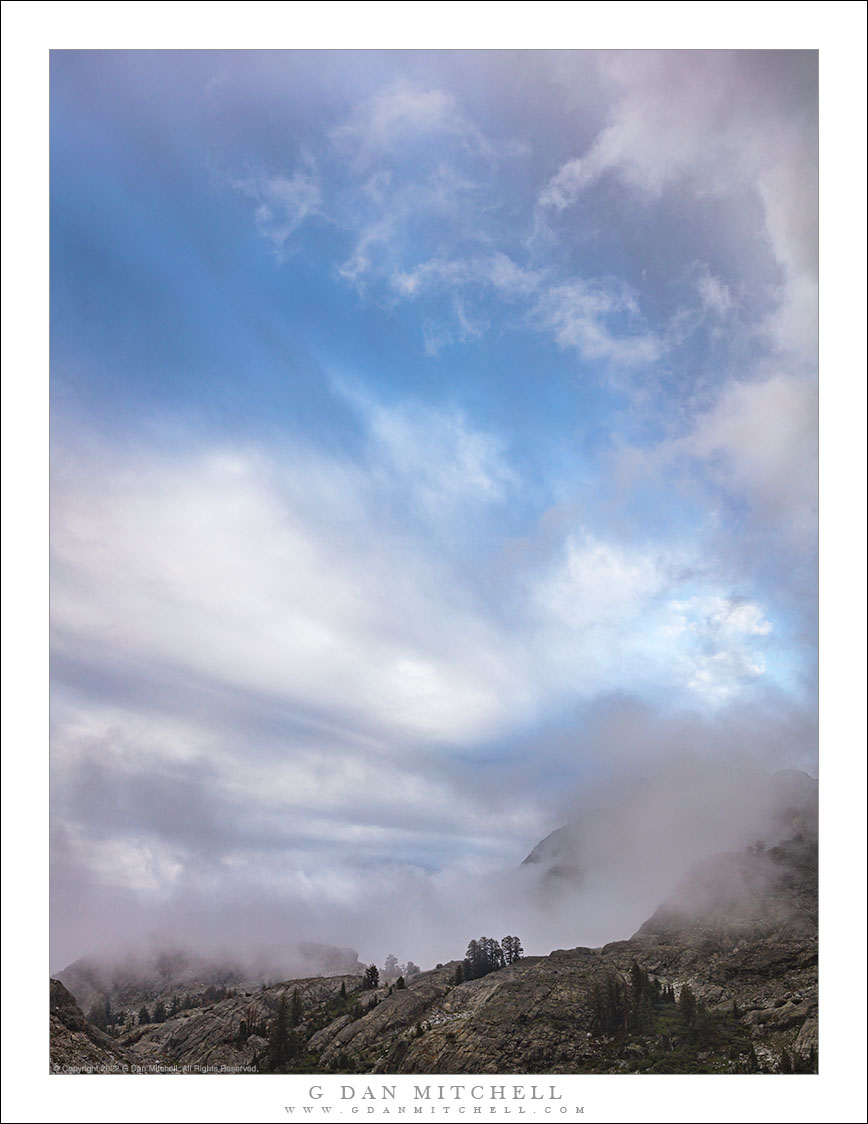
{"x":629,"y":839}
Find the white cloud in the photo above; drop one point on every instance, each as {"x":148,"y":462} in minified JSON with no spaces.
{"x":403,"y":112}
{"x":580,"y":314}
{"x":283,"y":579}
{"x":441,"y":455}
{"x":398,"y":218}
{"x":598,"y":584}
{"x":282,"y":204}
{"x":311,"y":585}
{"x":727,"y":650}
{"x":760,"y":442}
{"x":496,"y":270}
{"x":606,"y":620}
{"x":130,"y":863}
{"x":715,"y":294}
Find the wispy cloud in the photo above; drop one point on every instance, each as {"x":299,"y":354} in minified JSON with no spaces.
{"x":282,"y":579}
{"x":727,"y":650}
{"x":440,"y":457}
{"x":495,"y":270}
{"x":715,"y":294}
{"x":403,"y":112}
{"x":402,"y":218}
{"x":283,"y":203}
{"x":599,"y":321}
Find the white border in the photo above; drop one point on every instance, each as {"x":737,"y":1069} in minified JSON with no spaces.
{"x":838,"y":31}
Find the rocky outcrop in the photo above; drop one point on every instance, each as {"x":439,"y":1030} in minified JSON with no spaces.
{"x":76,"y":1046}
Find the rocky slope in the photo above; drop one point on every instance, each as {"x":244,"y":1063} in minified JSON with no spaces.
{"x":722,"y":978}
{"x":78,"y":1046}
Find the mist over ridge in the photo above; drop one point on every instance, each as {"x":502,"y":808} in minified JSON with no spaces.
{"x":593,"y":880}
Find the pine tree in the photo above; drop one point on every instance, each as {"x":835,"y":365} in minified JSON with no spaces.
{"x":687,"y":1004}
{"x":281,"y":1038}
{"x":372,"y":978}
{"x":492,"y":954}
{"x":512,"y":949}
{"x":295,"y":1010}
{"x":473,"y":961}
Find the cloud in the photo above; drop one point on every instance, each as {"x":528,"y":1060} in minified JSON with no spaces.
{"x":600,"y":319}
{"x":665,"y":789}
{"x":470,"y":283}
{"x":497,"y":271}
{"x":717,"y":123}
{"x":268,"y":691}
{"x":598,"y":584}
{"x":760,"y":443}
{"x":659,"y":126}
{"x":280,"y":630}
{"x":282,"y":204}
{"x":446,"y":460}
{"x":401,"y":217}
{"x":606,"y":619}
{"x":585,"y":315}
{"x":403,"y":112}
{"x":280,"y":579}
{"x":726,"y":650}
{"x":715,"y":294}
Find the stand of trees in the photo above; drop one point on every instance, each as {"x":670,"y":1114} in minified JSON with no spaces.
{"x":619,"y":1007}
{"x":674,"y":1031}
{"x":392,"y":969}
{"x":487,"y":955}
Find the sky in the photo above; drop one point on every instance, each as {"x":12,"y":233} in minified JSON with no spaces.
{"x":433,"y":447}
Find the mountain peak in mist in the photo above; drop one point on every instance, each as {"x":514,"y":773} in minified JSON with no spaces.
{"x":658,"y":823}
